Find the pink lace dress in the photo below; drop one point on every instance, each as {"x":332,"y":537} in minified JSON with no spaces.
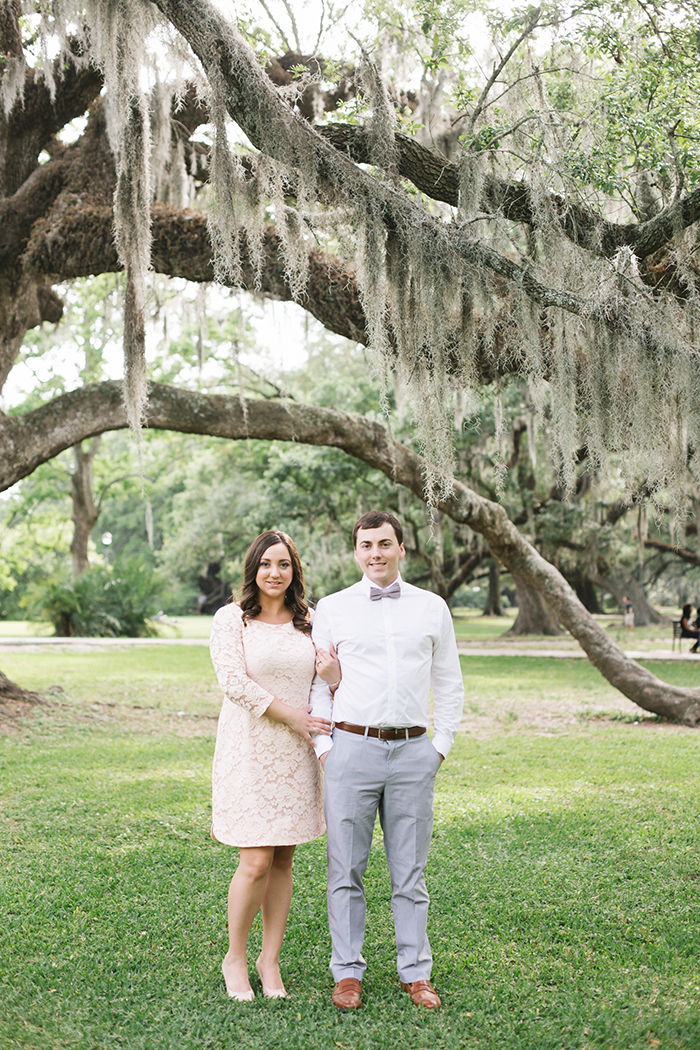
{"x":266,"y":779}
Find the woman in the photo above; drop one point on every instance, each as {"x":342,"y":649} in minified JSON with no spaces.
{"x":266,"y":777}
{"x":687,"y":631}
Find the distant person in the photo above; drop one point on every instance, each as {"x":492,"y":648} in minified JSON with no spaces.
{"x":687,"y":629}
{"x":394,"y":642}
{"x":627,"y":614}
{"x":266,"y":777}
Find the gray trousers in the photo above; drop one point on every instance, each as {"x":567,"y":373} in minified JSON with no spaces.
{"x":395,"y":778}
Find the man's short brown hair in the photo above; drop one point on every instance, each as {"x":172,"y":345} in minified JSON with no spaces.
{"x":374,"y":519}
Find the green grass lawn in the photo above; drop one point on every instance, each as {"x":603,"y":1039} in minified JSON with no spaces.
{"x":23,"y":628}
{"x":470,"y":626}
{"x":171,"y":627}
{"x":564,"y":874}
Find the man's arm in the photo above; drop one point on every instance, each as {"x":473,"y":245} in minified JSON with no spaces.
{"x":447,"y":685}
{"x":321,"y":698}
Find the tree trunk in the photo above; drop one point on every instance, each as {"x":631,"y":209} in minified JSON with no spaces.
{"x":26,"y":441}
{"x":493,"y":602}
{"x":621,"y":583}
{"x":11,"y":693}
{"x":533,"y":615}
{"x":85,"y":513}
{"x":585,"y":590}
{"x":24,"y":304}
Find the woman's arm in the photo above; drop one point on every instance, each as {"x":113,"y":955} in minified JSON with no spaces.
{"x":228,"y":658}
{"x":328,"y":667}
{"x":298,"y":719}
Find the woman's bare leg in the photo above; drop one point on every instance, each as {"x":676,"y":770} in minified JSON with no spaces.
{"x":245,"y":897}
{"x":275,"y":912}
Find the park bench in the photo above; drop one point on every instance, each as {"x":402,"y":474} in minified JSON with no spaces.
{"x":679,"y":633}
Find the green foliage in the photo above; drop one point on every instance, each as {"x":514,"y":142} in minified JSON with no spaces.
{"x":82,"y":347}
{"x":34,"y":536}
{"x":103,"y":602}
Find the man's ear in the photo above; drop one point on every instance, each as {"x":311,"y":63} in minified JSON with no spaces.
{"x":402,"y":551}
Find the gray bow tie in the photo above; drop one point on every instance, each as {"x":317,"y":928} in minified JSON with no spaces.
{"x":392,"y":591}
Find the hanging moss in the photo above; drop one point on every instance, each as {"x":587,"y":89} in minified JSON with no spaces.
{"x":617,"y":366}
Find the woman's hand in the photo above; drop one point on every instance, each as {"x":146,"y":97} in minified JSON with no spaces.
{"x":328,"y":667}
{"x":299,"y":719}
{"x":303,"y":722}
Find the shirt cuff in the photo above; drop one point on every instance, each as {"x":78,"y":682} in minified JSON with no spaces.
{"x":322,"y":744}
{"x":442,"y":744}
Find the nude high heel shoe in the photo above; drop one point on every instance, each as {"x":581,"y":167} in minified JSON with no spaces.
{"x":239,"y":997}
{"x":270,"y":993}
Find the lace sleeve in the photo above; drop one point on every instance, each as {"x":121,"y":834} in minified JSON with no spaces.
{"x":228,"y":658}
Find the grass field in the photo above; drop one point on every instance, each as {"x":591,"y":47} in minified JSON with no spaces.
{"x":171,"y":627}
{"x":470,"y":626}
{"x":564,"y":872}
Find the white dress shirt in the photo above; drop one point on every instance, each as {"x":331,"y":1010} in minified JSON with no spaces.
{"x":391,"y":652}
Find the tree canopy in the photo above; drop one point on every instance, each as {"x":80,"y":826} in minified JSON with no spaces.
{"x":468,"y":214}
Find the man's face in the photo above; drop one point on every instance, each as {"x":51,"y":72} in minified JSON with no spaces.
{"x":378,"y":553}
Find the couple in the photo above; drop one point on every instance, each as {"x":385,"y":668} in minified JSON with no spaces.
{"x":364,"y":725}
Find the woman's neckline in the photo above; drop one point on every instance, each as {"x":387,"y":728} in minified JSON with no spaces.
{"x":270,"y":623}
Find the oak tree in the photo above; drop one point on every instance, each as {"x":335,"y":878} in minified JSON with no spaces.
{"x":544,"y":230}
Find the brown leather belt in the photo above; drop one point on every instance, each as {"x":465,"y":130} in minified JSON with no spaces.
{"x":381,"y":734}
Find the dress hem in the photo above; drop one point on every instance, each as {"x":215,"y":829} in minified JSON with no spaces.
{"x":249,"y":845}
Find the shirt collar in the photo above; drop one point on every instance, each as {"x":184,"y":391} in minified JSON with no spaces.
{"x":366,"y":583}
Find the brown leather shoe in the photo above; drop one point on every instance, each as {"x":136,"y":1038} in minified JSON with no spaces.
{"x":423,"y":994}
{"x":347,"y":994}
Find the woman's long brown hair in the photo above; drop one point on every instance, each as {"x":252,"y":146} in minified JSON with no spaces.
{"x":294,"y":596}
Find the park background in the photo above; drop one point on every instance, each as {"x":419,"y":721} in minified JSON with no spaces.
{"x":564,"y":869}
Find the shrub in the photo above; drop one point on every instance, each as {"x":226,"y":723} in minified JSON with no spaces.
{"x":103,"y":602}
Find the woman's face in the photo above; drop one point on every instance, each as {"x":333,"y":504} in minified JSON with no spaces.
{"x":275,"y":572}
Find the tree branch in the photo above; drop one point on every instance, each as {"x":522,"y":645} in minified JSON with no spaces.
{"x":438,"y":179}
{"x":26,"y":441}
{"x":499,"y":67}
{"x":34,"y":120}
{"x":691,"y":557}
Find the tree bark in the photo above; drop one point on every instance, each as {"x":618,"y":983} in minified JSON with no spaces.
{"x":39,"y":115}
{"x":533,"y":615}
{"x":85,"y":511}
{"x":24,"y":304}
{"x":493,"y":602}
{"x":584,"y":586}
{"x":11,"y":693}
{"x":26,"y":441}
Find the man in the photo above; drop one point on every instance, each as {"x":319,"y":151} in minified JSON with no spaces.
{"x":393,"y":641}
